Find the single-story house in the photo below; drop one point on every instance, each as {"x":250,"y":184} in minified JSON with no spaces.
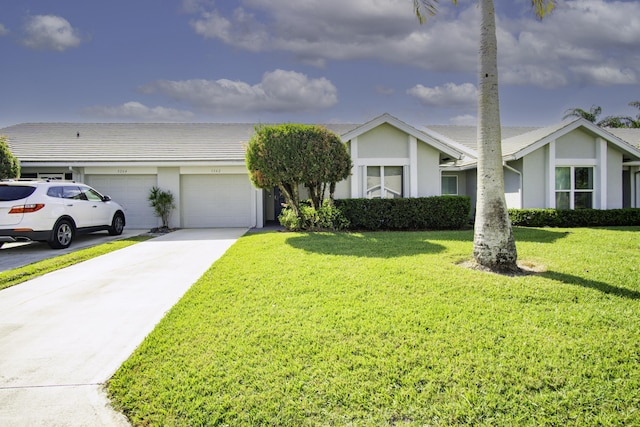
{"x":571,"y":165}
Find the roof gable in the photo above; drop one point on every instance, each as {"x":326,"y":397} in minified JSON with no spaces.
{"x":386,"y":118}
{"x":519,"y":146}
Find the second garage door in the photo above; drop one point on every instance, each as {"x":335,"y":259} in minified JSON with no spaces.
{"x":216,"y":201}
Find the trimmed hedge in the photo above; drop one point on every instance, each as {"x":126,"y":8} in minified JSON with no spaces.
{"x":574,"y":218}
{"x":420,"y":213}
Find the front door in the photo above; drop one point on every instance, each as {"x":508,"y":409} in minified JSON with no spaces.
{"x":278,"y":202}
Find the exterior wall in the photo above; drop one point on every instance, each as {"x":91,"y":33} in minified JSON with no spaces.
{"x":429,"y":183}
{"x":385,"y":141}
{"x":614,"y":185}
{"x":513,"y":184}
{"x":626,"y":188}
{"x":636,"y":194}
{"x":382,"y":146}
{"x":472,"y":188}
{"x":576,"y":145}
{"x":534,"y":183}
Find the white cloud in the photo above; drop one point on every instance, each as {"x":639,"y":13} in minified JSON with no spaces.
{"x":449,"y":95}
{"x":49,"y":32}
{"x":279,"y":91}
{"x":314,"y":32}
{"x":581,"y":42}
{"x":3,"y":30}
{"x":568,"y":46}
{"x":135,"y":111}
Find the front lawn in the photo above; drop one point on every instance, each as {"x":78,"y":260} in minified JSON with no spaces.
{"x":384,"y":329}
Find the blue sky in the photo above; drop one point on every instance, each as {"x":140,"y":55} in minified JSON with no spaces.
{"x":313,"y":61}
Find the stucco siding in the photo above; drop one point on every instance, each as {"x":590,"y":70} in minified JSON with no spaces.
{"x":626,"y":189}
{"x":614,"y":179}
{"x":471,"y":188}
{"x":576,"y":145}
{"x":385,"y":141}
{"x":513,"y":184}
{"x":429,"y":183}
{"x":534,"y":182}
{"x":343,"y":189}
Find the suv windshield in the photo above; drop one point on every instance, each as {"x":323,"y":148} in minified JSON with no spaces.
{"x":15,"y":192}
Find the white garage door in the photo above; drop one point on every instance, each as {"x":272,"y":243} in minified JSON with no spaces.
{"x":131,"y":191}
{"x":216,"y":201}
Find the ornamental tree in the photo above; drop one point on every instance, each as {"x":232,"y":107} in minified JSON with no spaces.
{"x":289,"y":155}
{"x":9,"y":164}
{"x":162,"y":203}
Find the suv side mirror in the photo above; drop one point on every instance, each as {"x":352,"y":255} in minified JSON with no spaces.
{"x":106,"y":198}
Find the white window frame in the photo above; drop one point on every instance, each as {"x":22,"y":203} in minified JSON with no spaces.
{"x":442,"y":186}
{"x":572,"y":190}
{"x":383,"y":187}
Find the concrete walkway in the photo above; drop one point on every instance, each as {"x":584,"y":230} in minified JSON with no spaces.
{"x":63,"y":335}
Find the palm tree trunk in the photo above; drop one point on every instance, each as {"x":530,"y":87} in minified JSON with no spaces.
{"x":494,"y":245}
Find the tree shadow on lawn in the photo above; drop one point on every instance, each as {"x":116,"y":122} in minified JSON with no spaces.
{"x":370,"y":245}
{"x":393,"y":244}
{"x":605,"y":288}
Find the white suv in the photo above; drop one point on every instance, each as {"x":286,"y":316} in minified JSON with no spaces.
{"x":54,"y":211}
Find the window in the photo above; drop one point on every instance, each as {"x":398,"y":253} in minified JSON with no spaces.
{"x":9,"y":193}
{"x":72,"y":192}
{"x":449,"y":185}
{"x":91,"y":194}
{"x":384,"y":182}
{"x":574,"y":187}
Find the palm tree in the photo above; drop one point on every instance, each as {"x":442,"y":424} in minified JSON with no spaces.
{"x":591,"y":115}
{"x":635,"y":123}
{"x":607,"y":122}
{"x":616,"y":122}
{"x":494,"y":246}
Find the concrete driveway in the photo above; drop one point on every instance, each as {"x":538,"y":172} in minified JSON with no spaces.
{"x":14,"y":255}
{"x":63,"y":335}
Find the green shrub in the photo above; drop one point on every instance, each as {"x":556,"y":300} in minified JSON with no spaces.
{"x":574,"y":218}
{"x":327,"y":218}
{"x":416,"y":213}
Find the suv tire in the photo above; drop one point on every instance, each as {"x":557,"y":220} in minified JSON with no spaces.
{"x":117,"y":225}
{"x":62,"y":234}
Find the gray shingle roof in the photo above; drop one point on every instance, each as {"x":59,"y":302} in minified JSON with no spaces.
{"x":632,"y":136}
{"x":515,"y":140}
{"x":219,"y":142}
{"x":468,"y":135}
{"x":139,"y":142}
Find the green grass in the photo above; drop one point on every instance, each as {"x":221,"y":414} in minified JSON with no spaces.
{"x":13,"y":277}
{"x":384,"y":329}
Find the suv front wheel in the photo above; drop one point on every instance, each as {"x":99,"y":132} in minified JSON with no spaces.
{"x":61,"y":235}
{"x":117,"y":225}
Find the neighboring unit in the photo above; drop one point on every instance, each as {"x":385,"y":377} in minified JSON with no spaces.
{"x":571,"y":165}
